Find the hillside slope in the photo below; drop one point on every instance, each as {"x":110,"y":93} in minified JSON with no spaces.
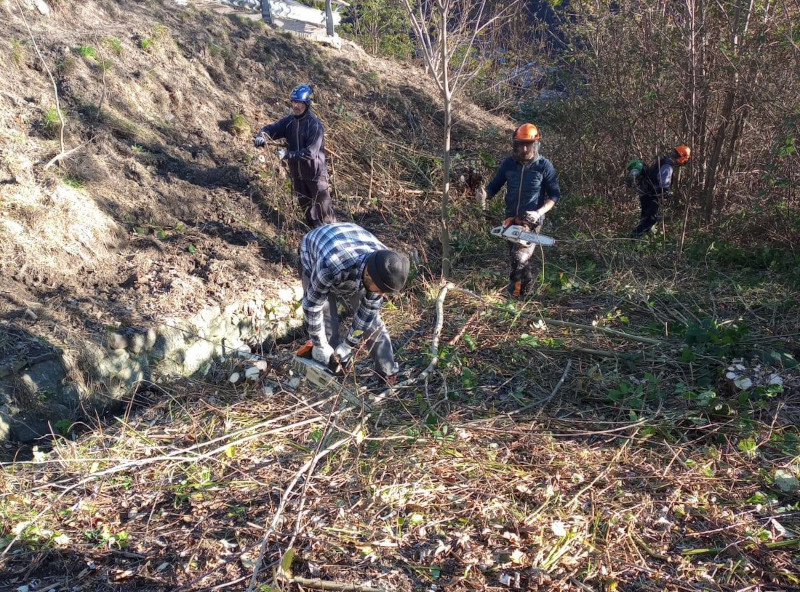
{"x":162,"y":205}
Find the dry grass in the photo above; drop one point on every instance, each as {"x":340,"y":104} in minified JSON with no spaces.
{"x":512,"y":465}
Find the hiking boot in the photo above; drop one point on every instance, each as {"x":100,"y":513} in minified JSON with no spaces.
{"x":517,"y":291}
{"x":513,"y":291}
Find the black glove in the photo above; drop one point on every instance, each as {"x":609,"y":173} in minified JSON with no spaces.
{"x":293,"y":154}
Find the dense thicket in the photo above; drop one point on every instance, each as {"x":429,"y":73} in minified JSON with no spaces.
{"x":640,"y":76}
{"x":720,"y":76}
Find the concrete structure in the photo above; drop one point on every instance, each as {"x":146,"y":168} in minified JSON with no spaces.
{"x":303,"y":20}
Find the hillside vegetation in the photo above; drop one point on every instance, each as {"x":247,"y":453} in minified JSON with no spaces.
{"x":631,"y":426}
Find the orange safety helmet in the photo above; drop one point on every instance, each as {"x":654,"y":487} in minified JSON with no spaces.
{"x":684,"y":154}
{"x":527,"y":132}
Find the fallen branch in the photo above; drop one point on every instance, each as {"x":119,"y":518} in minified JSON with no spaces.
{"x":548,"y":398}
{"x":62,"y":155}
{"x":648,"y":340}
{"x":308,"y":466}
{"x":328,"y":585}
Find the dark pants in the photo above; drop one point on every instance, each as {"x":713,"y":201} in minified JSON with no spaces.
{"x":521,"y":270}
{"x":315,"y":199}
{"x":376,"y":338}
{"x":650,"y":205}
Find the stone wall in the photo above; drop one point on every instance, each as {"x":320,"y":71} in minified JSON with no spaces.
{"x":60,"y":385}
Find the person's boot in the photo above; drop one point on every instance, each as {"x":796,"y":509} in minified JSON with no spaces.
{"x":514,"y":290}
{"x":525,"y":290}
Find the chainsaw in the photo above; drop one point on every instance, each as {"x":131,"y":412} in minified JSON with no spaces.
{"x":317,"y":373}
{"x":518,"y":234}
{"x":325,"y":377}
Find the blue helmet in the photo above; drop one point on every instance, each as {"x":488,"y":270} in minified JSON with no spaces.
{"x":303,"y":93}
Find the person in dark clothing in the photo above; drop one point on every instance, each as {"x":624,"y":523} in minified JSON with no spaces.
{"x":343,"y":259}
{"x":305,"y":136}
{"x":532,"y":190}
{"x":654,"y":183}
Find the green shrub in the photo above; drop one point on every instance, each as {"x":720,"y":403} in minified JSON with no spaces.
{"x":87,"y":51}
{"x":52,"y":123}
{"x":114,"y":44}
{"x":239,"y":125}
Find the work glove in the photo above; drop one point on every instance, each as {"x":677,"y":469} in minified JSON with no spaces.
{"x":532,"y":217}
{"x":294,"y":154}
{"x":322,"y":353}
{"x":260,"y":139}
{"x":282,"y":153}
{"x":344,"y":352}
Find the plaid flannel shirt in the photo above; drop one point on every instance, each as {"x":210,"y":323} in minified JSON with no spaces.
{"x":333,"y":258}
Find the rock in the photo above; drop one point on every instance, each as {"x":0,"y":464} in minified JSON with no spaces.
{"x":29,"y":314}
{"x":234,"y":378}
{"x":298,"y":292}
{"x":196,"y":355}
{"x":150,"y":338}
{"x":293,"y":383}
{"x":42,"y":7}
{"x":137,"y":343}
{"x":117,"y":341}
{"x":286,"y":294}
{"x":252,"y":373}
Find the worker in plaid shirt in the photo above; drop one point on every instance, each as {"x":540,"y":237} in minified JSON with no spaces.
{"x":343,"y":259}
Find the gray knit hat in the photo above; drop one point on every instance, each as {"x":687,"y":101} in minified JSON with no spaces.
{"x":388,"y":269}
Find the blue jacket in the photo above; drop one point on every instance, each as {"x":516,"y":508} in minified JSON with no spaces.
{"x":306,"y":139}
{"x":529,"y":185}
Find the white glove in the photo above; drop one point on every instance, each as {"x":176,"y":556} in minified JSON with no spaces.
{"x":260,"y":139}
{"x":322,"y":354}
{"x":281,"y":153}
{"x":344,"y":352}
{"x":532,"y":217}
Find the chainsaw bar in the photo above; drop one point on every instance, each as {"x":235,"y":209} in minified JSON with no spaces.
{"x":516,"y":234}
{"x":321,"y":377}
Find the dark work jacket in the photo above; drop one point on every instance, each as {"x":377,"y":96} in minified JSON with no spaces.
{"x":656,"y":179}
{"x":306,"y":138}
{"x":529,"y":185}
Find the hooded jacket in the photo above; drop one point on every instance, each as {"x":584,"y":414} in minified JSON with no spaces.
{"x":306,"y":139}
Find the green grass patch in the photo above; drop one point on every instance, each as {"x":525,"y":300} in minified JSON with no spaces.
{"x":114,"y":44}
{"x":87,"y":51}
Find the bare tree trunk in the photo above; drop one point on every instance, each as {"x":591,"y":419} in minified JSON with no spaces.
{"x":266,"y":15}
{"x":447,"y":101}
{"x":328,"y":19}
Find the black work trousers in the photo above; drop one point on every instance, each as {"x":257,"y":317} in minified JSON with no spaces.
{"x":650,"y":204}
{"x":315,"y":199}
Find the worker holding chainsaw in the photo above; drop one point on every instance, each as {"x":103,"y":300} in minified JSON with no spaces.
{"x":343,"y":259}
{"x":653,"y":184}
{"x":305,"y":136}
{"x":532,"y":190}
